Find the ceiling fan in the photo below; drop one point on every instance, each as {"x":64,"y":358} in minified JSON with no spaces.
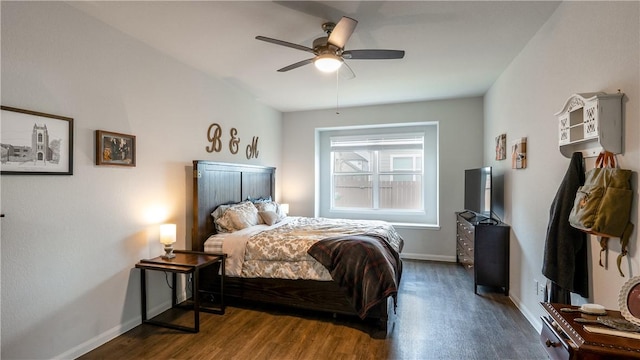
{"x":329,"y":50}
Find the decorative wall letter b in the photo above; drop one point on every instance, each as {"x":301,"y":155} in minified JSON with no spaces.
{"x":214,"y":139}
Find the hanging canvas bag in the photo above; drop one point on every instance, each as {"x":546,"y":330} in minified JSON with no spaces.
{"x":602,"y":205}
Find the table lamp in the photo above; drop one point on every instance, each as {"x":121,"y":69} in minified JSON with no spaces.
{"x":168,"y":237}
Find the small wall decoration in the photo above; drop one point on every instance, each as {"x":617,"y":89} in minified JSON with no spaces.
{"x":629,"y":300}
{"x":519,"y":154}
{"x":214,"y":136}
{"x":35,"y":143}
{"x":115,"y":149}
{"x":501,"y":147}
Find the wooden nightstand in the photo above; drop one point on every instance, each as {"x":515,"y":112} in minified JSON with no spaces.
{"x":188,"y":263}
{"x":564,"y":338}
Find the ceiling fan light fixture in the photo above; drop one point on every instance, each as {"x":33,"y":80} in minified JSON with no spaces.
{"x":327,"y":63}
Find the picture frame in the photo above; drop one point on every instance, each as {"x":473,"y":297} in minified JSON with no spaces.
{"x":501,"y":147}
{"x":519,"y":154}
{"x":115,"y":149}
{"x":35,"y":143}
{"x":629,"y":300}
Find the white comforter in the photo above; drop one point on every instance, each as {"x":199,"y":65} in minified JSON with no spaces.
{"x":280,"y":251}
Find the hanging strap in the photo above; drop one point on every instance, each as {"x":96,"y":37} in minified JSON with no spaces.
{"x":603,"y":248}
{"x":624,"y":241}
{"x":606,"y":159}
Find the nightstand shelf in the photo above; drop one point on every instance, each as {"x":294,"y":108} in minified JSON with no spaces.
{"x":188,"y":263}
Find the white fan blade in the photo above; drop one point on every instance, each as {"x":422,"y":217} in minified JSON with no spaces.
{"x":342,"y":32}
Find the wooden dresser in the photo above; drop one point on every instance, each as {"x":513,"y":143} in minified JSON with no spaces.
{"x":483,"y":248}
{"x":563,"y":338}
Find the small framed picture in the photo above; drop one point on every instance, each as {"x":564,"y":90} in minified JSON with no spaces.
{"x":519,"y":154}
{"x":115,"y":149}
{"x":35,"y":143}
{"x":501,"y":147}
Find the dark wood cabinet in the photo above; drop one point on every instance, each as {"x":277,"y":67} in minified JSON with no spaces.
{"x":483,"y":248}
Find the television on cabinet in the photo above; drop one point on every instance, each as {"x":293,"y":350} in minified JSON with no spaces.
{"x":477,"y":191}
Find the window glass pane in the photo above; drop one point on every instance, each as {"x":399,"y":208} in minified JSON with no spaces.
{"x":401,"y":192}
{"x":352,"y":191}
{"x":351,"y":161}
{"x":402,"y":163}
{"x":400,"y":160}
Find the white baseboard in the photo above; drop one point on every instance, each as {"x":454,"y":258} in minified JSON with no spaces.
{"x":413,"y":256}
{"x":533,"y":319}
{"x":114,"y":332}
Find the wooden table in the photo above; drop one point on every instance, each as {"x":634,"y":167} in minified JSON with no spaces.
{"x":188,"y":263}
{"x":564,"y":338}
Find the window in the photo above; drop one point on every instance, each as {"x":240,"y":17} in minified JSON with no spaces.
{"x":382,"y":172}
{"x":377,"y":171}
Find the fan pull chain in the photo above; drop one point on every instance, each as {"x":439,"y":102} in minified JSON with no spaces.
{"x":337,"y":90}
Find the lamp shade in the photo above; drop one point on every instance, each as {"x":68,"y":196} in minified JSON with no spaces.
{"x":327,"y":63}
{"x":168,"y":233}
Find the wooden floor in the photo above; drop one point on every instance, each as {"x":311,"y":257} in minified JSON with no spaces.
{"x":438,"y":317}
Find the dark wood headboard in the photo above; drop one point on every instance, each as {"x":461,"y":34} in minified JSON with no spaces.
{"x":217,"y":183}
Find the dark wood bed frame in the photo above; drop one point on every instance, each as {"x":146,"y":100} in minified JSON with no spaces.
{"x":216,"y":183}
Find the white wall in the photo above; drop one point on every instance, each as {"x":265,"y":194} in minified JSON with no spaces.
{"x":461,"y":126}
{"x":584,"y":47}
{"x":69,"y":243}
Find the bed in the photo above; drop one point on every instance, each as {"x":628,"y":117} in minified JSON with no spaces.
{"x":216,"y":184}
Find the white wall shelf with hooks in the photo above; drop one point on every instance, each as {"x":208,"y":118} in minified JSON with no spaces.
{"x":590,"y":123}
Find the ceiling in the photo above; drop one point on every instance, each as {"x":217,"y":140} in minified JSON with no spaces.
{"x":453,"y":48}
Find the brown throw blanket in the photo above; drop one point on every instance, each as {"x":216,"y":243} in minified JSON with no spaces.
{"x":366,"y":267}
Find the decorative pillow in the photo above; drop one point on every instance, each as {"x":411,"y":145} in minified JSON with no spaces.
{"x":280,"y":211}
{"x":269,"y":217}
{"x":238,"y":217}
{"x":270,"y":206}
{"x":217,"y":214}
{"x":259,"y":200}
{"x":224,"y":224}
{"x":266,"y":206}
{"x":258,"y":203}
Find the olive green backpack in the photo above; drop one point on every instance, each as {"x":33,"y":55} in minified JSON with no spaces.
{"x":603,"y":204}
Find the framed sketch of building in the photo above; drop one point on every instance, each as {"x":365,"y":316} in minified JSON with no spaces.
{"x":35,"y":143}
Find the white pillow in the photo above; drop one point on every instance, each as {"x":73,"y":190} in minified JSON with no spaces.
{"x":280,"y":211}
{"x":271,"y":206}
{"x":266,"y":206}
{"x":217,"y":214}
{"x":238,"y":217}
{"x":269,"y":217}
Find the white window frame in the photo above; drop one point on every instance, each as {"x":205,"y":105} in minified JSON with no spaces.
{"x":428,"y":216}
